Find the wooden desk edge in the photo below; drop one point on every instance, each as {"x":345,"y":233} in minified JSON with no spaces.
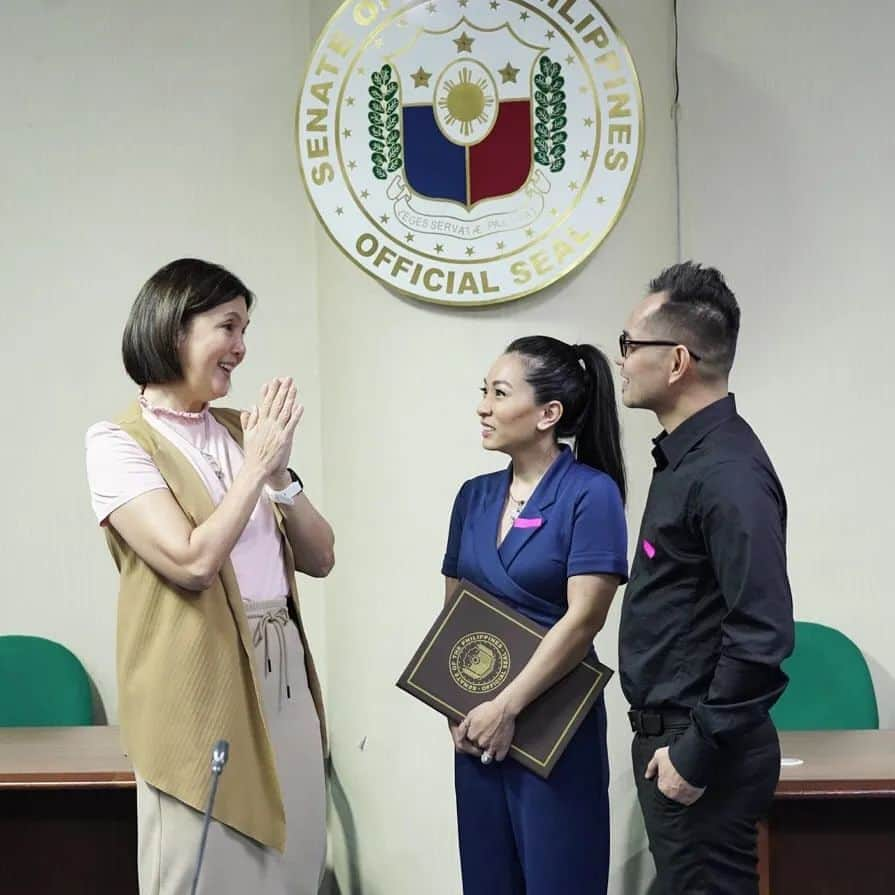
{"x":82,"y":780}
{"x":841,"y":789}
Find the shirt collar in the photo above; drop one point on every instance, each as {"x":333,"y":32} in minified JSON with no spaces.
{"x":671,"y":448}
{"x":546,"y":490}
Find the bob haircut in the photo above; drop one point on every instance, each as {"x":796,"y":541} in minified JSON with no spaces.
{"x":169,"y":299}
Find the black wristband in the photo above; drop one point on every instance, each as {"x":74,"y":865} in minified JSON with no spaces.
{"x":295,"y":477}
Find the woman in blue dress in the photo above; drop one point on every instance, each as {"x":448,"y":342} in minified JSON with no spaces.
{"x":546,"y":535}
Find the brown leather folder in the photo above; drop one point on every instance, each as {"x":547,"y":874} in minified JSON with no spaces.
{"x":475,"y":648}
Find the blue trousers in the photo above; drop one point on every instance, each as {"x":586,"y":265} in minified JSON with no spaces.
{"x":521,"y":835}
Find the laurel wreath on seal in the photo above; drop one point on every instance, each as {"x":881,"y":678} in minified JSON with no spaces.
{"x":550,"y":110}
{"x":385,"y":145}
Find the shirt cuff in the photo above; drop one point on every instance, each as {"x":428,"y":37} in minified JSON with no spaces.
{"x":599,"y":565}
{"x":694,"y":757}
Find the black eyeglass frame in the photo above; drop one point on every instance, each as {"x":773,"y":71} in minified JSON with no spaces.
{"x":625,"y":344}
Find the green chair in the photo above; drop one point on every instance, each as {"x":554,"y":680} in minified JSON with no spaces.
{"x":829,"y":684}
{"x":42,"y":684}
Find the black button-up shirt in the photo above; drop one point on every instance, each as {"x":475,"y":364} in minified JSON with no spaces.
{"x":707,"y":614}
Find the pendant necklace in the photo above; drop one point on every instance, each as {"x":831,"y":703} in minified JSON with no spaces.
{"x":210,"y":458}
{"x":517,"y":507}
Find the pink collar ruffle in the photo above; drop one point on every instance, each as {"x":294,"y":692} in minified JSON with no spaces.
{"x":178,"y":414}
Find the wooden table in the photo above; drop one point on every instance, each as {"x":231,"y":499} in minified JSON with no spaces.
{"x":831,"y":829}
{"x":68,"y":813}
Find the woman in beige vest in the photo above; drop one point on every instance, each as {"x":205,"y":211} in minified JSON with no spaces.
{"x":207,"y":525}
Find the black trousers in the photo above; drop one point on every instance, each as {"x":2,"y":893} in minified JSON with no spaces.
{"x":709,"y":848}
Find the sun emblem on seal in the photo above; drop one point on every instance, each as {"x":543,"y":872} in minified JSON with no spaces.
{"x":469,"y":151}
{"x":479,"y":662}
{"x":466,"y":102}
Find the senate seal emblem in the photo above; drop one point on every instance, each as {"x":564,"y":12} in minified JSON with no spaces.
{"x":479,"y":662}
{"x":469,"y":151}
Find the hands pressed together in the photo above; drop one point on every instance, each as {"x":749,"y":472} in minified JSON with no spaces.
{"x":268,"y":429}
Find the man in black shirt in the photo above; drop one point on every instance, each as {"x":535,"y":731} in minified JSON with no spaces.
{"x":707,"y":614}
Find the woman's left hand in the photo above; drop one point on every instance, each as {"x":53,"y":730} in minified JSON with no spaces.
{"x":281,"y":396}
{"x":490,"y":726}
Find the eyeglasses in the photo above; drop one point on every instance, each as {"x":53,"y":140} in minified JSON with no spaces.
{"x":625,"y":344}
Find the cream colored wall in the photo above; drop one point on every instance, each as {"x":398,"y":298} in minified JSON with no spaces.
{"x":134,"y":133}
{"x":787,"y":185}
{"x":399,"y":382}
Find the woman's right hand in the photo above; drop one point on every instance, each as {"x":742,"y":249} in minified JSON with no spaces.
{"x":461,"y":744}
{"x":268,"y":427}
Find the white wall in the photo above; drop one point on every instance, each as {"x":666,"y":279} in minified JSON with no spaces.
{"x":787,"y":186}
{"x":399,"y":381}
{"x":133,"y":133}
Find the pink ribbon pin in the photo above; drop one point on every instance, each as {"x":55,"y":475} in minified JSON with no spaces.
{"x":648,"y":548}
{"x":528,"y":523}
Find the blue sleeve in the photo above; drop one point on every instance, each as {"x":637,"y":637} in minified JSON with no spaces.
{"x":452,"y":553}
{"x":599,"y":542}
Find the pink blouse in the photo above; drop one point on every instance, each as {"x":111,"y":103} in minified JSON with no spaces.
{"x":118,"y":470}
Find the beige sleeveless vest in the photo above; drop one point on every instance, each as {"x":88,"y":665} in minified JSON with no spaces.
{"x":186,"y":675}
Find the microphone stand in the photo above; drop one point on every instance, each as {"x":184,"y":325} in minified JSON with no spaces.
{"x":219,"y":755}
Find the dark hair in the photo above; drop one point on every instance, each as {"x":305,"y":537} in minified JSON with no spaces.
{"x":580,"y":378}
{"x":701,"y":312}
{"x":162,"y":310}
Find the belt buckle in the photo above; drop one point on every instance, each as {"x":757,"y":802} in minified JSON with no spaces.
{"x":651,"y":723}
{"x":646,"y":723}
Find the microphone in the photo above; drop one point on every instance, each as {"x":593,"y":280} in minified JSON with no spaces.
{"x":219,"y":755}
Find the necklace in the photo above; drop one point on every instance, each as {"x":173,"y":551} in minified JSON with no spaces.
{"x":193,"y":417}
{"x":210,"y":458}
{"x":517,"y":509}
{"x":514,"y":505}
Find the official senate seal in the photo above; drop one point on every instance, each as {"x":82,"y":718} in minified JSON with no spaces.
{"x":479,"y":662}
{"x":469,"y":151}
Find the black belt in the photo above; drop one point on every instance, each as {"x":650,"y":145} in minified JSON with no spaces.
{"x":654,"y":722}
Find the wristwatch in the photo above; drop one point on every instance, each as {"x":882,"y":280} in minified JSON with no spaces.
{"x":287,"y":495}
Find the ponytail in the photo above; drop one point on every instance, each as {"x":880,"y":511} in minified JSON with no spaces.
{"x":598,"y":440}
{"x":580,"y":378}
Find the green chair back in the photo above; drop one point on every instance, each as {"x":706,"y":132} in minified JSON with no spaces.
{"x":829,"y":684}
{"x":42,"y":684}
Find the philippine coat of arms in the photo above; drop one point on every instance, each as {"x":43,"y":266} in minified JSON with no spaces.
{"x":469,"y":151}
